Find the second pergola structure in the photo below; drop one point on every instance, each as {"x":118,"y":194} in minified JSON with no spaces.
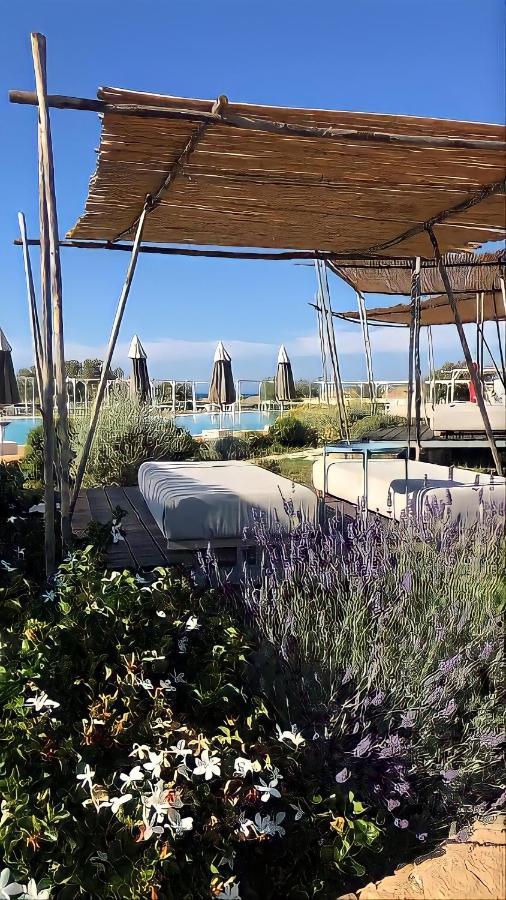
{"x":328,"y":185}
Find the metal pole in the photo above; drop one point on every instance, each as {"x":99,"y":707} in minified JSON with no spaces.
{"x":467,"y":354}
{"x":108,"y":358}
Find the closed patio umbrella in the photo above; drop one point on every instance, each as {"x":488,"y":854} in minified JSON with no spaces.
{"x":222,"y":388}
{"x":9,"y":394}
{"x":139,"y":381}
{"x":284,"y":387}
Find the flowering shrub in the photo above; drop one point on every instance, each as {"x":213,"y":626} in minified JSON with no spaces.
{"x":387,"y":638}
{"x":138,"y":760}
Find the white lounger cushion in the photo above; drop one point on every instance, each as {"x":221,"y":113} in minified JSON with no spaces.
{"x":465,"y":417}
{"x":345,"y":480}
{"x":205,"y":501}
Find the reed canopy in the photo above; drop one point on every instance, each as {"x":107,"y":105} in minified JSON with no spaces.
{"x":243,"y":175}
{"x":436,"y":311}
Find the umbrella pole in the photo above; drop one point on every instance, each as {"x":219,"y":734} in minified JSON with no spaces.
{"x":120,"y":309}
{"x":467,"y":353}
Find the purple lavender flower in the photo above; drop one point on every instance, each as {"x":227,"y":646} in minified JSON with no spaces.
{"x":401,"y":823}
{"x":363,"y":746}
{"x":448,"y":665}
{"x":449,"y":710}
{"x":422,"y":836}
{"x":464,"y":835}
{"x":408,"y":719}
{"x":347,"y":675}
{"x":491,"y":740}
{"x":378,"y":698}
{"x":449,"y":775}
{"x":342,"y":776}
{"x":407,"y":582}
{"x":393,"y":804}
{"x":486,"y":650}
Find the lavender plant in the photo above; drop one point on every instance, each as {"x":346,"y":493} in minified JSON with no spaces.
{"x":385,"y":640}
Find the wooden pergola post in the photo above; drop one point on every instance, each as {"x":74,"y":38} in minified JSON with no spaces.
{"x":32,"y":308}
{"x":467,"y":353}
{"x":362,"y":310}
{"x":47,"y":188}
{"x":120,"y":309}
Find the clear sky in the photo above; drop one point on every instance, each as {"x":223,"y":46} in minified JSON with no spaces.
{"x":442,"y":58}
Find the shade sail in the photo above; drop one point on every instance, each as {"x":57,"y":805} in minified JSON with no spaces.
{"x":248,"y":187}
{"x":466,"y":271}
{"x":435,"y":311}
{"x":9,"y":394}
{"x":222,"y":388}
{"x":284,"y":387}
{"x":139,"y":382}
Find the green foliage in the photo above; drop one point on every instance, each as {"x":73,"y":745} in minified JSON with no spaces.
{"x":290,"y":431}
{"x":11,"y":483}
{"x":139,"y":760}
{"x":227,"y":447}
{"x":259,"y":442}
{"x":368,"y":424}
{"x":127,"y":435}
{"x":32,"y":464}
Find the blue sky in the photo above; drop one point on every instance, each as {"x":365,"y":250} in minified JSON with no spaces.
{"x":442,"y":58}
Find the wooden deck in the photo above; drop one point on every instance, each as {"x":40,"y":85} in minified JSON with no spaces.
{"x":429,"y":440}
{"x":143,"y":546}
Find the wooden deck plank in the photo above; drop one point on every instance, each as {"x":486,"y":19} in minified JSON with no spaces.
{"x":82,"y":513}
{"x":142,"y":510}
{"x":144,"y":550}
{"x":118,"y":555}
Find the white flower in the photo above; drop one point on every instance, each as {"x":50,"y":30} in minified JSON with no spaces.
{"x":150,"y":828}
{"x":146,"y":683}
{"x":37,"y":508}
{"x":141,"y":580}
{"x":299,"y":812}
{"x":245,"y":824}
{"x":228,"y":860}
{"x":116,"y":802}
{"x":135,"y":774}
{"x":230,"y":891}
{"x":294,"y":737}
{"x":48,"y":596}
{"x":207,"y":766}
{"x":116,"y":534}
{"x":267,"y":790}
{"x":192,"y":624}
{"x":20,"y":553}
{"x":152,"y":656}
{"x":87,"y":777}
{"x":266,"y":825}
{"x":178,"y":678}
{"x":7,"y":568}
{"x":40,"y":702}
{"x":12,"y":519}
{"x":182,"y":644}
{"x":154,"y":764}
{"x":180,"y":749}
{"x":9,"y":888}
{"x":242,"y":766}
{"x":157,"y":801}
{"x":177,"y":825}
{"x":167,"y":686}
{"x":32,"y":892}
{"x":140,"y":750}
{"x":161,"y":613}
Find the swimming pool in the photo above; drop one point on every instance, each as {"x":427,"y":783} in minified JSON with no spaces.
{"x":250,"y":420}
{"x":17,"y":429}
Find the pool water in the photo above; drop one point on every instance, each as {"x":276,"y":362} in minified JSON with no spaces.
{"x":18,"y":429}
{"x":251,"y":420}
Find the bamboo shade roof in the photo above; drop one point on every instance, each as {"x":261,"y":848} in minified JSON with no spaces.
{"x":435,"y":311}
{"x":245,"y":187}
{"x":466,"y":271}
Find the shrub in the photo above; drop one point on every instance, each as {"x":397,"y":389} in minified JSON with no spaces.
{"x":227,"y":447}
{"x":369,"y":424}
{"x":387,"y":639}
{"x":259,"y":442}
{"x":290,"y":431}
{"x":138,"y":760}
{"x":32,"y":464}
{"x":127,"y":435}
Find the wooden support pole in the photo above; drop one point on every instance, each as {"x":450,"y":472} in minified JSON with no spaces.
{"x":255,"y":123}
{"x":411,"y":354}
{"x":416,"y":361}
{"x":120,"y":309}
{"x":39,"y":64}
{"x":367,"y":348}
{"x":47,"y":382}
{"x":467,"y":353}
{"x":32,"y":308}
